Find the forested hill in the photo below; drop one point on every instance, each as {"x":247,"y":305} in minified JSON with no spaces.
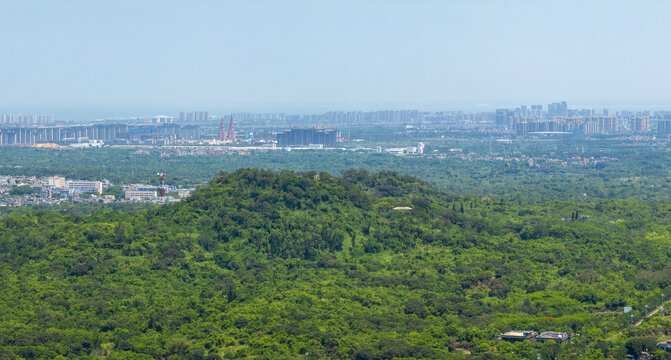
{"x":267,"y":265}
{"x":298,"y":215}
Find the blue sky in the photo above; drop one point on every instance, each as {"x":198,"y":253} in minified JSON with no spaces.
{"x":282,"y":55}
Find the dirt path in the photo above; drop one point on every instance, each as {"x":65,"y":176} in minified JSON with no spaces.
{"x":653,"y":312}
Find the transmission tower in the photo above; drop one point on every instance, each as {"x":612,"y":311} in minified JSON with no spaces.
{"x":161,"y":188}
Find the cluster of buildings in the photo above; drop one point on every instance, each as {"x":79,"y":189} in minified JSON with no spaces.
{"x":554,"y":118}
{"x":194,"y":116}
{"x":588,"y":125}
{"x":47,"y":190}
{"x":340,"y":118}
{"x":535,"y":162}
{"x":408,"y":150}
{"x":535,"y":337}
{"x":143,"y":192}
{"x":313,"y":129}
{"x":559,"y":118}
{"x":109,"y":133}
{"x":53,"y":190}
{"x":358,"y":117}
{"x":21,"y":119}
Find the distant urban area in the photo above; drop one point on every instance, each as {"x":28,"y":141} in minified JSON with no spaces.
{"x":321,"y":130}
{"x":548,"y":139}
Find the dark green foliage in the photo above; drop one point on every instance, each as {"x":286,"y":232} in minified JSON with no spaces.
{"x":114,"y":190}
{"x":21,"y":190}
{"x":638,"y":345}
{"x":260,"y":264}
{"x":636,"y":170}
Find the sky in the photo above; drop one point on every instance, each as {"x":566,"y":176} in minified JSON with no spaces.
{"x":329,"y":55}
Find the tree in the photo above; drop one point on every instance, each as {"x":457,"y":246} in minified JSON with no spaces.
{"x":21,"y":190}
{"x":661,"y":355}
{"x":636,"y":346}
{"x":114,"y":190}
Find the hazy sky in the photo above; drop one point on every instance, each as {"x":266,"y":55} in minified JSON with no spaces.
{"x":349,"y":54}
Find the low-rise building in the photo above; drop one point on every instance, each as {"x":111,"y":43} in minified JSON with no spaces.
{"x":139,"y":195}
{"x":535,"y":337}
{"x":86,"y":186}
{"x":184,"y":193}
{"x":558,"y":337}
{"x":665,"y":345}
{"x":515,"y":336}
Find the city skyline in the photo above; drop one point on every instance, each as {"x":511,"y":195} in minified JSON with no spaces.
{"x":88,"y":113}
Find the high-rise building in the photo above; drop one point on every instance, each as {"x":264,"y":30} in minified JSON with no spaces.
{"x":21,"y":119}
{"x":600,"y":124}
{"x":162,"y":119}
{"x":555,"y":109}
{"x":586,"y":112}
{"x":536,"y":110}
{"x":552,"y":109}
{"x":639,"y":123}
{"x":305,"y":137}
{"x":502,"y":117}
{"x":21,"y":135}
{"x":664,"y":126}
{"x":194,"y":116}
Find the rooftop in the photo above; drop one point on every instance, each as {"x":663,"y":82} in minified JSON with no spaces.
{"x":554,"y":335}
{"x":519,"y":333}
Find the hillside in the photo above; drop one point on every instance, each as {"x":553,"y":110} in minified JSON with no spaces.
{"x":260,"y":264}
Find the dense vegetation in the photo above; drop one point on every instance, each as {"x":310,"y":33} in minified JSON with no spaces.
{"x":260,"y":264}
{"x":636,"y":170}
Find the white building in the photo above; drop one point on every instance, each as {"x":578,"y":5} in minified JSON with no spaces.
{"x":86,"y":186}
{"x":184,"y":193}
{"x":162,"y":119}
{"x":57,"y":182}
{"x":137,"y":195}
{"x":88,"y":144}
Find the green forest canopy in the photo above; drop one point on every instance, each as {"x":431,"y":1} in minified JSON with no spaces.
{"x":639,"y":173}
{"x":263,"y":264}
